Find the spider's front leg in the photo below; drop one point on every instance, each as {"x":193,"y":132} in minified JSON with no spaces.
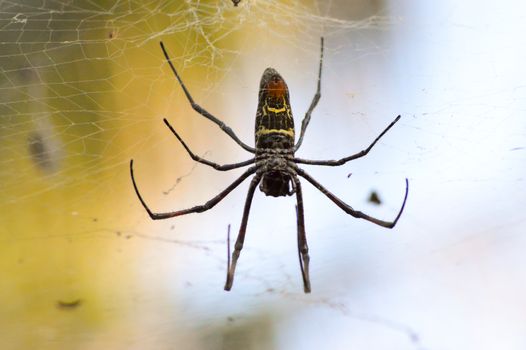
{"x":203,"y":111}
{"x":306,"y":120}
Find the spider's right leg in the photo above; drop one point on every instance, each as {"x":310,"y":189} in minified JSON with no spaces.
{"x":202,"y":111}
{"x":306,"y":120}
{"x":342,"y":161}
{"x":196,"y":209}
{"x":204,"y":161}
{"x":303,"y":248}
{"x":348,"y":209}
{"x":241,"y":235}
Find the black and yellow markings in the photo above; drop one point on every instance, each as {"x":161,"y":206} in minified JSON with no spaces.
{"x":262,"y":131}
{"x":275,"y":118}
{"x":276,"y":110}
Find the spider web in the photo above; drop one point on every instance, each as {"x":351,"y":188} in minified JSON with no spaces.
{"x":84,"y":88}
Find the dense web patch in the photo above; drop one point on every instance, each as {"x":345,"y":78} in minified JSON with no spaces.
{"x":68,"y":70}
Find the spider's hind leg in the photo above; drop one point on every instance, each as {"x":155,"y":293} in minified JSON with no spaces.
{"x":241,"y":235}
{"x":303,"y":248}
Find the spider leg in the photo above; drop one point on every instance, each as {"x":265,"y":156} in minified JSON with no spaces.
{"x":202,"y":111}
{"x":228,"y":251}
{"x":349,"y":158}
{"x":306,"y":120}
{"x":351,"y":211}
{"x":205,"y":161}
{"x":303,"y":248}
{"x":241,"y":235}
{"x":198,"y":208}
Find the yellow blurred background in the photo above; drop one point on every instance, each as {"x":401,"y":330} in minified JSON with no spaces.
{"x":85,"y":88}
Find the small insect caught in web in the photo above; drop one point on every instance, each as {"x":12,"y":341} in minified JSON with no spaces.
{"x":274,"y":164}
{"x":374,"y":198}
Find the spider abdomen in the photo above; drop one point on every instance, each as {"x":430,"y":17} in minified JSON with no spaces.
{"x":274,"y":122}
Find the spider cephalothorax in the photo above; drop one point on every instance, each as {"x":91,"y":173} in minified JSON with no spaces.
{"x":275,"y":166}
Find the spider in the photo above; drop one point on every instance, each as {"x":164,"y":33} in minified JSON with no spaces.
{"x":274,"y":164}
{"x":236,"y":2}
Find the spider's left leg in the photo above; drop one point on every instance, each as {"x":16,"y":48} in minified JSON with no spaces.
{"x":348,"y":209}
{"x":306,"y":120}
{"x":203,"y":111}
{"x":196,"y":209}
{"x":241,"y":235}
{"x":303,"y":248}
{"x":342,"y":161}
{"x":205,"y":161}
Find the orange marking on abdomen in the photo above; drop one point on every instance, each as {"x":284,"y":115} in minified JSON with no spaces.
{"x":276,"y":87}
